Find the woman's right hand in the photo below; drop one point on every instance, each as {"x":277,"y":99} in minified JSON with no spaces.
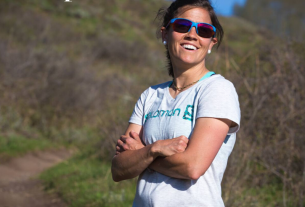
{"x":168,"y":147}
{"x":132,"y":142}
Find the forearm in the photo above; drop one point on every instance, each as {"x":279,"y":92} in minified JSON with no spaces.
{"x":205,"y":142}
{"x":176,"y":166}
{"x":131,"y":163}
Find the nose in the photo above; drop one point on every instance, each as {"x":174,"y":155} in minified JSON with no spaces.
{"x":192,"y":33}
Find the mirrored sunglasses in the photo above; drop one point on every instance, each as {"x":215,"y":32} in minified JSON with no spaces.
{"x":181,"y":25}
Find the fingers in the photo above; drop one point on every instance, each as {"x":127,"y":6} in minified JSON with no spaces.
{"x":120,"y":146}
{"x":120,"y":143}
{"x":183,"y":138}
{"x":171,"y":146}
{"x":129,"y":143}
{"x":180,"y":144}
{"x":124,"y":143}
{"x":135,"y":135}
{"x":123,"y":138}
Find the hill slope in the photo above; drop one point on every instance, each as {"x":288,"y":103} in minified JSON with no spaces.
{"x":73,"y":71}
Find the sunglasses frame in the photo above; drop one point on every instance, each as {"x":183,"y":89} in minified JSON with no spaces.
{"x":194,"y":24}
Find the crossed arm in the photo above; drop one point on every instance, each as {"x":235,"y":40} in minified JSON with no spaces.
{"x":177,"y":157}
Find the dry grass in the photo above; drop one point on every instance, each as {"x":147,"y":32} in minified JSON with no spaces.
{"x":71,"y":75}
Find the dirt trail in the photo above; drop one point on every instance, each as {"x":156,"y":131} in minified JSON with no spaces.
{"x":19,"y":184}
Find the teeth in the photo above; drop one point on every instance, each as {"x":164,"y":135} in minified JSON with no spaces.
{"x":191,"y":47}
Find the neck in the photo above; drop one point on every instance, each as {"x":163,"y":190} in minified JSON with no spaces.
{"x":183,"y":77}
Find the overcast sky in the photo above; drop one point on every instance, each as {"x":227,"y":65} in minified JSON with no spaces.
{"x":225,"y":7}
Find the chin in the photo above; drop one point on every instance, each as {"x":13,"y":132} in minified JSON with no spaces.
{"x":186,"y":59}
{"x":190,"y":61}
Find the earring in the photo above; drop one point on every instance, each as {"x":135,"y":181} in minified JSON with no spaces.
{"x":209,"y":51}
{"x":164,"y":42}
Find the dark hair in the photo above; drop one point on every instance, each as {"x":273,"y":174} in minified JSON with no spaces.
{"x":165,"y":15}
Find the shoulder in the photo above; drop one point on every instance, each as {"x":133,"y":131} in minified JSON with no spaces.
{"x":220,"y":81}
{"x":218,"y":98}
{"x":160,"y":86}
{"x":217,"y":89}
{"x":217,"y":84}
{"x":152,"y":89}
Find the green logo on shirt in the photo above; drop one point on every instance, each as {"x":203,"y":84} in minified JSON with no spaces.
{"x":188,"y":114}
{"x":189,"y":111}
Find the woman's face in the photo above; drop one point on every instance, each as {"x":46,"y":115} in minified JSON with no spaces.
{"x":177,"y":42}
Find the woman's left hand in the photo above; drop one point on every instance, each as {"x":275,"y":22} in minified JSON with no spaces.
{"x":132,"y":142}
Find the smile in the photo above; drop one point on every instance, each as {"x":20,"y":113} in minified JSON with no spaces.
{"x":189,"y":47}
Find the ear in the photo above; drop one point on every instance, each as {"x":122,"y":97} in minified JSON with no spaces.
{"x":213,"y":42}
{"x":164,"y":34}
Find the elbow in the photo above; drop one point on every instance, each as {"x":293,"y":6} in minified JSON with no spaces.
{"x":194,"y":175}
{"x":194,"y":172}
{"x":115,"y":176}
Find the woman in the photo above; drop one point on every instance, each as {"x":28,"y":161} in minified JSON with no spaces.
{"x":187,"y":126}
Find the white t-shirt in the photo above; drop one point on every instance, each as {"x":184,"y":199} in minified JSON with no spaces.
{"x":164,"y":117}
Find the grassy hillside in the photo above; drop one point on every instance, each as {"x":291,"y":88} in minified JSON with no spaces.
{"x":64,"y":64}
{"x":72,"y":72}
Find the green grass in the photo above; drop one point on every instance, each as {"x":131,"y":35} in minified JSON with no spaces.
{"x":72,"y":28}
{"x":85,"y":180}
{"x":16,"y":145}
{"x":269,"y":196}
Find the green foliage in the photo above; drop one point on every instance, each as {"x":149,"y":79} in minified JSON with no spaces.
{"x":15,"y":145}
{"x":75,"y":75}
{"x":85,"y":180}
{"x":70,"y":77}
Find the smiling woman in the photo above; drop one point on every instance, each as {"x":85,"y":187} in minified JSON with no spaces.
{"x":182,"y":132}
{"x":180,"y":43}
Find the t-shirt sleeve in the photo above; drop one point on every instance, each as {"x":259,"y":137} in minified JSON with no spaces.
{"x":138,"y":112}
{"x":220,"y":100}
